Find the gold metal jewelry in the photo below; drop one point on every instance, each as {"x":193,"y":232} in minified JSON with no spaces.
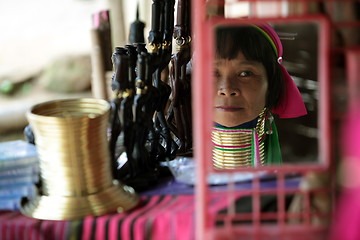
{"x":180,"y":41}
{"x":154,"y":47}
{"x":235,"y":150}
{"x":128,"y":93}
{"x":141,"y":90}
{"x":74,"y":160}
{"x":166,"y":44}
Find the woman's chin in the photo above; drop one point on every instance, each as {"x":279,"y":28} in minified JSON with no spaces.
{"x":230,"y":124}
{"x":232,"y":120}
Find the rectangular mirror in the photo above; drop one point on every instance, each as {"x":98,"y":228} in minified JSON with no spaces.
{"x":265,"y":73}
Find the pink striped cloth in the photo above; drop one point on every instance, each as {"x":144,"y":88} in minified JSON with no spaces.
{"x":15,"y":226}
{"x":156,"y":217}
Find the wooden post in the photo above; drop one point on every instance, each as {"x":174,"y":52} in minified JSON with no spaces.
{"x":98,"y":80}
{"x":117,"y":21}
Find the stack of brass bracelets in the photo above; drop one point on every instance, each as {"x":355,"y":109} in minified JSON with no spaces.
{"x":74,"y":160}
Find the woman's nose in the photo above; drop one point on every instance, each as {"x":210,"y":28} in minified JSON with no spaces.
{"x":228,"y":92}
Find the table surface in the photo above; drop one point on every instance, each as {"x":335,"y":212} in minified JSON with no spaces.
{"x":164,"y":212}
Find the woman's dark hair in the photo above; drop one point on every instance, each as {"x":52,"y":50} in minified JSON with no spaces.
{"x":248,"y":40}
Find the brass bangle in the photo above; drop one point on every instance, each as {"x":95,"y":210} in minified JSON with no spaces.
{"x":180,"y":41}
{"x":154,"y":47}
{"x":166,"y":44}
{"x":141,"y":90}
{"x":128,"y":93}
{"x":118,"y":94}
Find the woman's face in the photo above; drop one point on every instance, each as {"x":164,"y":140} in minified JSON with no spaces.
{"x":240,"y":92}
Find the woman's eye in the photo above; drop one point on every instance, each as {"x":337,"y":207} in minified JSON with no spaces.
{"x":217,"y":74}
{"x":245,"y":74}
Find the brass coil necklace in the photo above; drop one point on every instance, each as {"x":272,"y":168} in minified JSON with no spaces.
{"x":239,"y":147}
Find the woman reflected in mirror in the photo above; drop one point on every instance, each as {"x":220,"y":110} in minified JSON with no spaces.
{"x":251,"y":86}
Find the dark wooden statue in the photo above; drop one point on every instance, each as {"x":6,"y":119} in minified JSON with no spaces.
{"x":142,"y":96}
{"x":181,"y":87}
{"x":160,"y":42}
{"x":118,"y":85}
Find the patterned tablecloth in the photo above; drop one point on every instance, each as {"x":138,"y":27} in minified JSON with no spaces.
{"x":165,"y":212}
{"x":156,"y":217}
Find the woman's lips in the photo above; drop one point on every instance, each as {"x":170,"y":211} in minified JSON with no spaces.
{"x":228,"y":108}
